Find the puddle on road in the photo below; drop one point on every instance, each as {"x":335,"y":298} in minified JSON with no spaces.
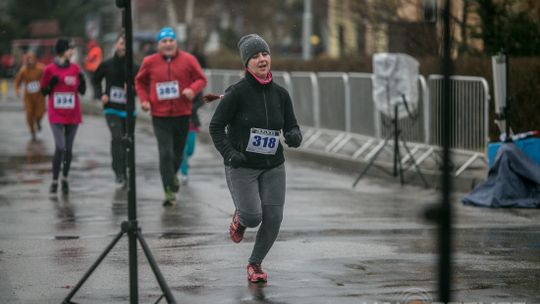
{"x":174,"y":235}
{"x":27,"y":168}
{"x":66,"y":237}
{"x":36,"y":153}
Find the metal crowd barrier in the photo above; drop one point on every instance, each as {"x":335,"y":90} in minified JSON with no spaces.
{"x":470,"y":116}
{"x":337,"y":113}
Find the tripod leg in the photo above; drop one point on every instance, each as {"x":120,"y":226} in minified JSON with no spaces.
{"x":155,"y":268}
{"x":372,"y":160}
{"x":415,"y":164}
{"x":88,"y":273}
{"x":133,"y":266}
{"x":397,"y":159}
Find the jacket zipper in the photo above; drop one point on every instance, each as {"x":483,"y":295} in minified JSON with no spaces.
{"x":266,"y":109}
{"x":169,"y":79}
{"x":267,"y":122}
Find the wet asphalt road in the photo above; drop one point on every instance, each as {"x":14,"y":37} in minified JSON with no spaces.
{"x":337,"y":244}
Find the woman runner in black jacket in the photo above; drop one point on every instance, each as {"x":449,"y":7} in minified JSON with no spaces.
{"x":255,"y":111}
{"x":114,"y":103}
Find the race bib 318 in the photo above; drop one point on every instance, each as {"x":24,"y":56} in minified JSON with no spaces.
{"x":263,"y":141}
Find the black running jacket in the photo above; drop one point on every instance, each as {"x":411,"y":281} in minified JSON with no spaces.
{"x":249,"y":106}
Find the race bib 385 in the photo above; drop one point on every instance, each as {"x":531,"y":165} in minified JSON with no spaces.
{"x":167,"y":90}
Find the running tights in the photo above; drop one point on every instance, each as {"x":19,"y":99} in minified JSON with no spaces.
{"x":259,"y":197}
{"x":64,"y":136}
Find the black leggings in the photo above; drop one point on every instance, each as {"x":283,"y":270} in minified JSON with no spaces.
{"x":171,"y":134}
{"x":117,"y":126}
{"x":64,"y":136}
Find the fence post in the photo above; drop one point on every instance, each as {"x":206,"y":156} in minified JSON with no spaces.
{"x":316,"y":100}
{"x":427,"y":107}
{"x":347,"y":95}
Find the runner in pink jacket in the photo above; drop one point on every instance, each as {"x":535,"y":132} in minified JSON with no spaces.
{"x":62,"y":81}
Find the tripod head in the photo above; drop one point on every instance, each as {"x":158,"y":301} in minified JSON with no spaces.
{"x":121,"y":3}
{"x":499,"y":64}
{"x":395,"y":84}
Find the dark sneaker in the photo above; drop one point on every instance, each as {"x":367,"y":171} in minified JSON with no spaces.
{"x":120,"y":182}
{"x":65,"y":187}
{"x":170,"y":199}
{"x":236,"y":230}
{"x":169,"y":203}
{"x":256,"y":274}
{"x":176,"y":184}
{"x":53,"y":188}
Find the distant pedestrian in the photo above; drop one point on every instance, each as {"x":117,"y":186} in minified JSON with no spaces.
{"x":166,"y":84}
{"x":194,"y":122}
{"x":62,"y":81}
{"x":246,"y":129}
{"x":91,"y":62}
{"x":194,"y":128}
{"x":34,"y":103}
{"x":114,"y":104}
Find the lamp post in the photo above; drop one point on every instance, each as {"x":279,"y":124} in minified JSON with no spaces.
{"x":307,"y":25}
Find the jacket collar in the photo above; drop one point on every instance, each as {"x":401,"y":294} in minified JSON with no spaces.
{"x":255,"y":82}
{"x":173,"y":56}
{"x":61,"y":65}
{"x":117,"y":58}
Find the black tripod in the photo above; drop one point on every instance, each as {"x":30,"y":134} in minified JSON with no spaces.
{"x":131,"y":226}
{"x":398,"y":168}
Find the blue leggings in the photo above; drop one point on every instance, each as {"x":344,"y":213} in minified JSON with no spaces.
{"x":188,"y":152}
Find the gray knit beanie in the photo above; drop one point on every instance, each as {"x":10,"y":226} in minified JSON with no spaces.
{"x":250,"y":45}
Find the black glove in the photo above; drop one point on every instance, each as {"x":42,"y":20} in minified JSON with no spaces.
{"x":237,"y":159}
{"x":46,"y":90}
{"x":82,"y":84}
{"x":53,"y":81}
{"x":293,"y":138}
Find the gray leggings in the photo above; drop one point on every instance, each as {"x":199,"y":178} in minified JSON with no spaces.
{"x":64,"y":136}
{"x":259,"y":196}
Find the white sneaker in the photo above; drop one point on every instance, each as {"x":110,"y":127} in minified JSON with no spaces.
{"x":184,"y":179}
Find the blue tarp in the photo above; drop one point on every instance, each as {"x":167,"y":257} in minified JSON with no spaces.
{"x":513,"y":181}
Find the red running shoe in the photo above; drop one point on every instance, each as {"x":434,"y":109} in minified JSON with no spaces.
{"x":236,"y":230}
{"x":256,"y":274}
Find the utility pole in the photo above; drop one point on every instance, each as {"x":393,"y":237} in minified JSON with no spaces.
{"x":189,"y":12}
{"x":171,"y":13}
{"x":189,"y":18}
{"x":307,"y":30}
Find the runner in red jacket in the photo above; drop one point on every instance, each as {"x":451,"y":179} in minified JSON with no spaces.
{"x":166,"y":84}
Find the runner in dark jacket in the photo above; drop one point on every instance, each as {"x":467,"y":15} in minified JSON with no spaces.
{"x":113,"y":70}
{"x":254,"y":112}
